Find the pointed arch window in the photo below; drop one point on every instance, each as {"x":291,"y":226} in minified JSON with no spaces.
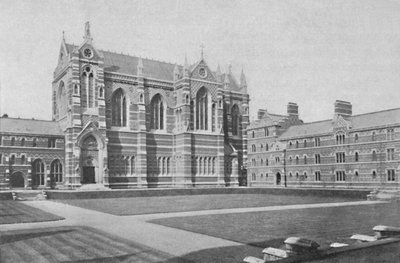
{"x":214,"y":116}
{"x":56,"y":171}
{"x":202,"y":103}
{"x":235,"y":119}
{"x":61,"y":100}
{"x":88,"y":98}
{"x":374,"y":156}
{"x":157,"y":113}
{"x":118,"y":104}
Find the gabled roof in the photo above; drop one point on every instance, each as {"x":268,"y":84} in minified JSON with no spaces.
{"x":375,"y":119}
{"x":362,"y":121}
{"x":28,"y":126}
{"x":127,"y":64}
{"x":308,"y":129}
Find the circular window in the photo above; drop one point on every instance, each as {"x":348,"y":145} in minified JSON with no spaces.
{"x":87,"y":52}
{"x":202,"y":72}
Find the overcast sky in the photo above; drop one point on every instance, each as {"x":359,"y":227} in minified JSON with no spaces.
{"x":308,"y":52}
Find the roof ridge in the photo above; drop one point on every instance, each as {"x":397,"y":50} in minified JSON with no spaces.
{"x":133,"y":56}
{"x":312,"y":122}
{"x":373,"y":112}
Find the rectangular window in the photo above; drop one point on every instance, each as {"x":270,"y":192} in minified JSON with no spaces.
{"x":340,"y":139}
{"x":317,"y":158}
{"x":266,"y":132}
{"x":340,"y":157}
{"x":51,"y":143}
{"x":391,"y":175}
{"x":253,"y":176}
{"x":390,"y":134}
{"x":1,"y":159}
{"x":317,"y":142}
{"x":317,"y":176}
{"x":390,"y":154}
{"x":340,"y":176}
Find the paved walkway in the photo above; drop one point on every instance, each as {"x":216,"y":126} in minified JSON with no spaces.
{"x":173,"y":241}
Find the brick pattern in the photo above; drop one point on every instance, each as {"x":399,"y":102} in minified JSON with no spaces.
{"x":363,"y":156}
{"x":177,"y":156}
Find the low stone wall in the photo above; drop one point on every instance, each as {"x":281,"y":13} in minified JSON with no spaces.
{"x":77,"y":194}
{"x":6,"y":196}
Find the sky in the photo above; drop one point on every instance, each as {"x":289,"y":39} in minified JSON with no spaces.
{"x":311,"y":52}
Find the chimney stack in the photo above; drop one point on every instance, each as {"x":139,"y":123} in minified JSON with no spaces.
{"x":293,"y":110}
{"x":343,"y":108}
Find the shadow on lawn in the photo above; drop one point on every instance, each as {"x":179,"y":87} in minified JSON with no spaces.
{"x":228,"y":254}
{"x":4,"y":239}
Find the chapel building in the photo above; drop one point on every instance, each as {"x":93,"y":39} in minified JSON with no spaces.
{"x":125,"y":122}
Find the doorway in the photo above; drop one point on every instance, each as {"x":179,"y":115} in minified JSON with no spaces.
{"x":278,"y":179}
{"x":88,"y":175}
{"x":17,"y":180}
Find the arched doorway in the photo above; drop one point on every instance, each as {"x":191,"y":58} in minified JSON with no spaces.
{"x":17,"y":180}
{"x":89,"y":160}
{"x":278,"y":178}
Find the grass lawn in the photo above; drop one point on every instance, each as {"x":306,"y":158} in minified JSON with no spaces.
{"x":264,"y":229}
{"x":73,"y":244}
{"x":16,"y":212}
{"x":163,"y":204}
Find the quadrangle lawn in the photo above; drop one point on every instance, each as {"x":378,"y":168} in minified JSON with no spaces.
{"x":12,"y":212}
{"x":165,"y":204}
{"x":263,"y":229}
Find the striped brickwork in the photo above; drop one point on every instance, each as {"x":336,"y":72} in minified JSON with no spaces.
{"x":361,"y":151}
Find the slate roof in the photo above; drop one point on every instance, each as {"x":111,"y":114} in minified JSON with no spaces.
{"x":362,"y":121}
{"x":28,"y":126}
{"x":127,"y":64}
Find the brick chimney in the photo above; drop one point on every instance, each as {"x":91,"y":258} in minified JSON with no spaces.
{"x":343,"y":108}
{"x":293,"y":110}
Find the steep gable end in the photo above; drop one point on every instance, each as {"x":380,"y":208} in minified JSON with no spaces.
{"x":202,"y":71}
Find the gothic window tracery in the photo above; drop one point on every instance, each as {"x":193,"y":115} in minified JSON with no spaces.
{"x":88,"y":96}
{"x":202,"y":103}
{"x":118,"y":108}
{"x":38,"y":177}
{"x":157,"y":113}
{"x":235,"y":120}
{"x":57,"y":171}
{"x":61,"y":99}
